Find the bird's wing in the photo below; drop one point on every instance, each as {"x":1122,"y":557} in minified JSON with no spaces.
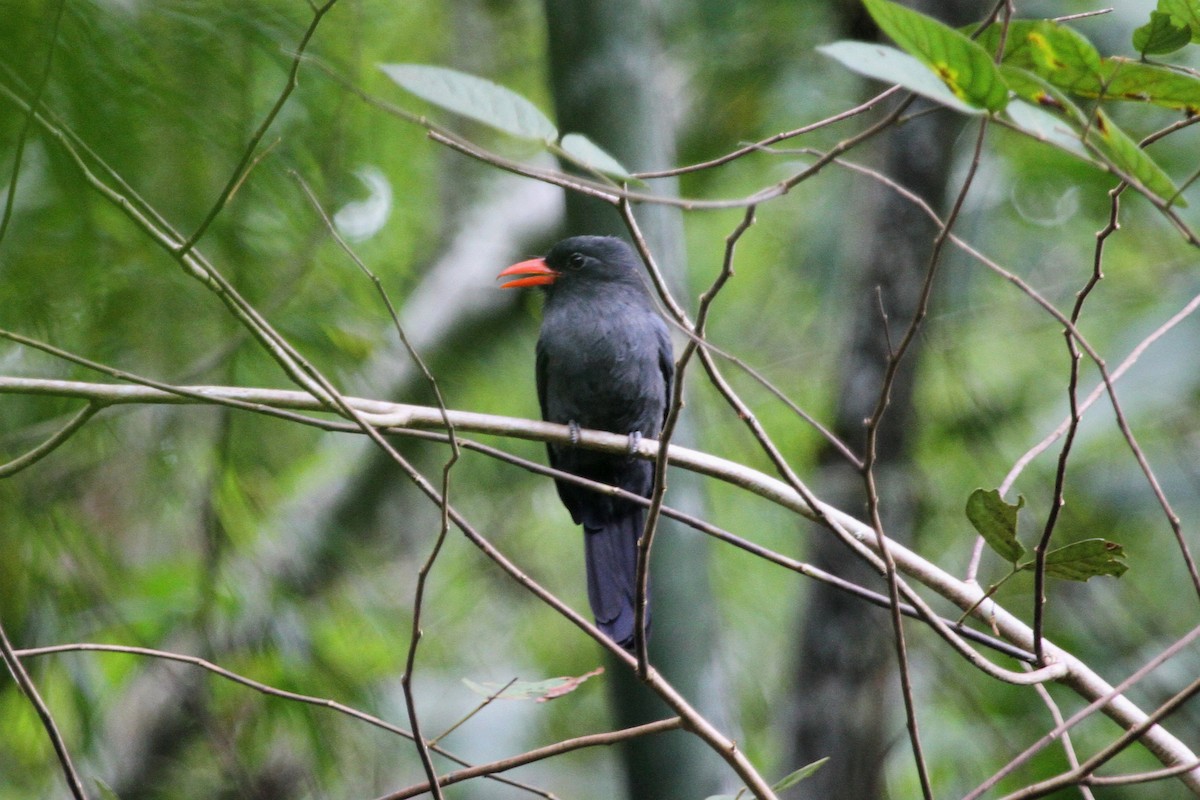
{"x":666,"y":364}
{"x":541,"y":366}
{"x":540,"y":374}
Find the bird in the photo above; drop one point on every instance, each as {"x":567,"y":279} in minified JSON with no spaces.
{"x":604,"y":362}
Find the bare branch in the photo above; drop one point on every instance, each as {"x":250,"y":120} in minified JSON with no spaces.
{"x":540,"y":754}
{"x":10,"y":197}
{"x":1080,"y":773}
{"x":258,"y":686}
{"x":17,"y":670}
{"x":1063,"y":666}
{"x":1178,"y":646}
{"x":51,"y":444}
{"x":248,"y":160}
{"x":754,"y":147}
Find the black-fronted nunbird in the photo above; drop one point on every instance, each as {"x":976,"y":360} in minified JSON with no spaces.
{"x":604,"y":362}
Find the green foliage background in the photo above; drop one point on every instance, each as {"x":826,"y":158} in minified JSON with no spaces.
{"x":154,"y":526}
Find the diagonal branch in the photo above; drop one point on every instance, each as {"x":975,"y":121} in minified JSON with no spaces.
{"x":540,"y":754}
{"x":258,"y":686}
{"x":17,"y":670}
{"x":248,"y":156}
{"x":1065,"y":667}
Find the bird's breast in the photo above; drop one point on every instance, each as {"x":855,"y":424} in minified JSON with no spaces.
{"x":602,"y":370}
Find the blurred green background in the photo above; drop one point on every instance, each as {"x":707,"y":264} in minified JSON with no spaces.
{"x":290,"y":555}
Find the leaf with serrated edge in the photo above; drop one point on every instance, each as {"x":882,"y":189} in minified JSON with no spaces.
{"x":965,"y":67}
{"x":893,"y":66}
{"x":474,"y":97}
{"x":996,"y":522}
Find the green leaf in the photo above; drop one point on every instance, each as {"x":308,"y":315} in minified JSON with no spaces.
{"x":1079,"y":561}
{"x":1115,"y":144}
{"x":1040,"y":92}
{"x":996,"y":522}
{"x":785,"y":782}
{"x":584,"y":151}
{"x":106,"y":791}
{"x":1133,"y":80}
{"x":1059,"y":54}
{"x":1161,"y":35}
{"x":799,"y":775}
{"x":1183,"y":13}
{"x":474,"y":97}
{"x":965,"y":67}
{"x":1047,"y":127}
{"x":1067,"y":60}
{"x":531,"y":690}
{"x":893,"y":66}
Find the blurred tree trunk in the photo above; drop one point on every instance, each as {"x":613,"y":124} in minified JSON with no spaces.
{"x":603,"y":59}
{"x":846,"y":661}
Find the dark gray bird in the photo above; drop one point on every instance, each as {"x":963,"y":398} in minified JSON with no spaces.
{"x":604,"y":361}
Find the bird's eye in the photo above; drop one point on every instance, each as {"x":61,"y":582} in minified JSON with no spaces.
{"x":575,"y":261}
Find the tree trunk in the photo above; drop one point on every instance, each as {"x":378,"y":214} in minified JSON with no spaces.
{"x":846,"y":662}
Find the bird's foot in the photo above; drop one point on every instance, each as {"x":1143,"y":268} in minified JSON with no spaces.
{"x":635,"y":441}
{"x":573,"y":435}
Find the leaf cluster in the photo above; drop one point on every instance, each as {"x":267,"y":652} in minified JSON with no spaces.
{"x":1031,"y":73}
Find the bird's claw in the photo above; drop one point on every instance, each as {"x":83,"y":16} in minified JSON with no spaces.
{"x":573,"y":434}
{"x":635,"y":441}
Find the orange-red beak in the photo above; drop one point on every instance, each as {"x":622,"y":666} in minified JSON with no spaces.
{"x":535,"y":271}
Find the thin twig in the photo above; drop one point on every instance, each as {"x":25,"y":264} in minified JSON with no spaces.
{"x":22,"y":137}
{"x":444,"y":522}
{"x":770,"y":140}
{"x":1081,"y":15}
{"x":17,"y":670}
{"x":1068,"y":746}
{"x":1057,"y":500}
{"x":540,"y":754}
{"x":247,"y":160}
{"x":487,"y":701}
{"x":675,"y":407}
{"x":1136,"y":677}
{"x":891,"y":370}
{"x":51,"y":444}
{"x":258,"y":686}
{"x":1143,"y":777}
{"x":1066,"y":668}
{"x":1128,"y":737}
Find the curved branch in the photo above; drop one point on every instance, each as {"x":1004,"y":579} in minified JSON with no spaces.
{"x":52,"y":443}
{"x":17,"y":669}
{"x":1063,"y":666}
{"x":258,"y":686}
{"x":541,"y":753}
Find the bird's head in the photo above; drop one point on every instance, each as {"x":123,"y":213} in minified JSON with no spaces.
{"x":578,"y":260}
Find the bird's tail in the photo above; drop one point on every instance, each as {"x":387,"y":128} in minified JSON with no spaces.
{"x":610,"y":551}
